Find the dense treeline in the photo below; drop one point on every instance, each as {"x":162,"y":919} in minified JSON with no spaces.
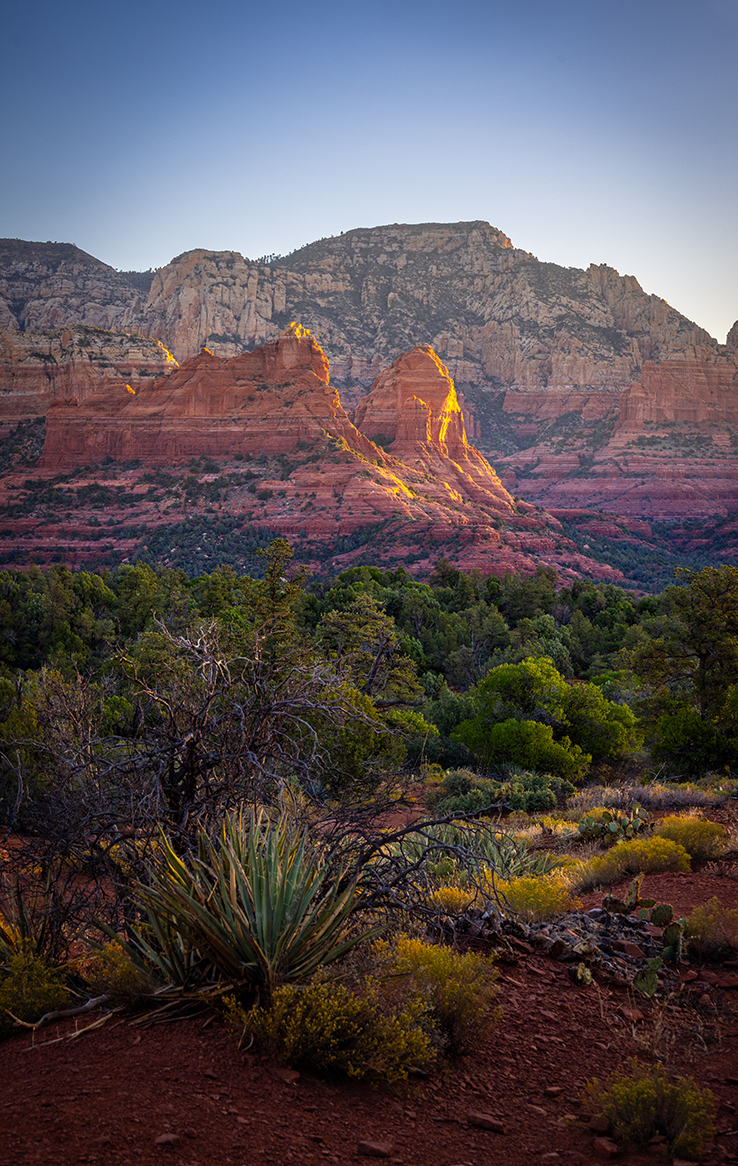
{"x":141,"y":694}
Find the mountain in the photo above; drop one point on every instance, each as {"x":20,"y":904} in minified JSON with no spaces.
{"x":582,"y":389}
{"x":265,"y":436}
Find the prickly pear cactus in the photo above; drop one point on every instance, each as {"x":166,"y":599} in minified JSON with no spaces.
{"x":674,"y":941}
{"x":647,"y":980}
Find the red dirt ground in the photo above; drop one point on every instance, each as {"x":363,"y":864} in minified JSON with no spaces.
{"x":106,"y":1096}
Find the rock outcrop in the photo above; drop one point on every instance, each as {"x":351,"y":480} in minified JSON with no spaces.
{"x":561,"y":371}
{"x":262,"y":402}
{"x":413,"y":411}
{"x":273,"y":415}
{"x":55,"y":285}
{"x":671,"y":451}
{"x":37,"y":368}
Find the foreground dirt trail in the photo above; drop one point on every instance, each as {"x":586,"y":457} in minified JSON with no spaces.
{"x":109,"y":1095}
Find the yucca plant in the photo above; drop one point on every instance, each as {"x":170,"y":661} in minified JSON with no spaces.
{"x":453,"y":846}
{"x":260,"y":903}
{"x":27,"y":923}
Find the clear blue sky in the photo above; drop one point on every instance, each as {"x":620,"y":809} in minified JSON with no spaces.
{"x":587,"y":130}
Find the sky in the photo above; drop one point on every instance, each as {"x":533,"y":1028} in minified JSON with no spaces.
{"x":601,"y":131}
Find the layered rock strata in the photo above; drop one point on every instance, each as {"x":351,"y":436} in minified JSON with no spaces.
{"x":670,"y":452}
{"x":37,"y":368}
{"x":546,"y":358}
{"x":430,"y":492}
{"x":267,"y":401}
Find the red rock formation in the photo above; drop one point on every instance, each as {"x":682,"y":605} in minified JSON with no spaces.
{"x":266,"y":401}
{"x":672,"y":451}
{"x":682,"y":391}
{"x":322,"y":479}
{"x":37,"y":368}
{"x":413,"y":411}
{"x":543,"y":354}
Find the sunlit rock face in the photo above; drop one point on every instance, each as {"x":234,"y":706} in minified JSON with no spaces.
{"x":431,"y":493}
{"x":413,"y":411}
{"x":556,"y":369}
{"x":266,"y":401}
{"x":37,"y":368}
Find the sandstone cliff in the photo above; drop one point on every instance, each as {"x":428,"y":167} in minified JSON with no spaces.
{"x":670,"y":451}
{"x":37,"y":368}
{"x":545,"y":358}
{"x":273,"y":415}
{"x":266,"y":401}
{"x":55,"y":285}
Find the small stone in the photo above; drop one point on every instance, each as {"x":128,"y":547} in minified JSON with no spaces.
{"x":682,"y":1162}
{"x":485,"y":1121}
{"x":632,"y":950}
{"x":539,"y":1110}
{"x":167,"y":1139}
{"x":599,"y":1125}
{"x":189,"y":1132}
{"x":375,"y":1149}
{"x":704,"y":1000}
{"x":632,"y":1014}
{"x":553,"y":1091}
{"x":605,"y":1147}
{"x":211,"y":1074}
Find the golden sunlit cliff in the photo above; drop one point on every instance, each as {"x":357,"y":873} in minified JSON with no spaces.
{"x":303,"y":469}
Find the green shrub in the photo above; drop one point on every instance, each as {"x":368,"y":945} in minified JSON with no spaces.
{"x":643,"y":1103}
{"x":529,"y":744}
{"x":458,"y":989}
{"x":29,"y":988}
{"x":464,"y":792}
{"x":325,"y":1026}
{"x":712,"y":930}
{"x":111,"y":970}
{"x":700,"y":838}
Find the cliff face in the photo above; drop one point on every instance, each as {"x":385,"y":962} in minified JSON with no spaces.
{"x":561,"y":372}
{"x":497,"y":316}
{"x":670,"y":451}
{"x":413,"y":411}
{"x":267,"y":401}
{"x":37,"y":368}
{"x":54,"y":285}
{"x":320,"y":477}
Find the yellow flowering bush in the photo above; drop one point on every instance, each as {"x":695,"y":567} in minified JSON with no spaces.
{"x":700,"y":838}
{"x":635,"y":856}
{"x":458,"y":989}
{"x":326,"y":1026}
{"x":539,"y":899}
